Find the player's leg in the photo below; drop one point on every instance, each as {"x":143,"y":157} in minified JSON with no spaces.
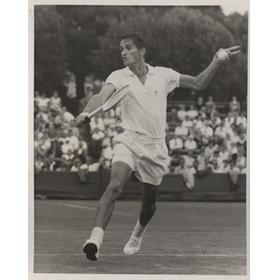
{"x":148,"y":208}
{"x":119,"y":176}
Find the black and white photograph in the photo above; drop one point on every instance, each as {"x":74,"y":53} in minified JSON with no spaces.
{"x":139,"y":127}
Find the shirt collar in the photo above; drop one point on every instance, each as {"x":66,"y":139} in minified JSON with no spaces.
{"x":150,"y":72}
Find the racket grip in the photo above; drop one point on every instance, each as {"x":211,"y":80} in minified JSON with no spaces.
{"x":87,"y":120}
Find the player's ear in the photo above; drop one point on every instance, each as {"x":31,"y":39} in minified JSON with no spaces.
{"x":143,"y":51}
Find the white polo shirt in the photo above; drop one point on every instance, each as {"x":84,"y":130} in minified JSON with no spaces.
{"x":144,"y":109}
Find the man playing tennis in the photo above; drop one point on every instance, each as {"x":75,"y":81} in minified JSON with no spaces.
{"x":141,"y":147}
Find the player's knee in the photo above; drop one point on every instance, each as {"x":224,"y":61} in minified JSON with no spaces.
{"x":114,"y":189}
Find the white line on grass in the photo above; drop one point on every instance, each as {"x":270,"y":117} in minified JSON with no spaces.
{"x":90,"y":208}
{"x":152,"y":255}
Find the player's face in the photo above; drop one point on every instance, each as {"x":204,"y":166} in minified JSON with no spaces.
{"x":130,"y":53}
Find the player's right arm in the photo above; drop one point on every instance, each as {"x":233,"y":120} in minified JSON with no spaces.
{"x":96,"y":101}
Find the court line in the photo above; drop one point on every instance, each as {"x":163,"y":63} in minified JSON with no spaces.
{"x":90,"y":208}
{"x":149,"y":255}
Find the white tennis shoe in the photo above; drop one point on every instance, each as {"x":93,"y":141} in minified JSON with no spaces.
{"x":132,"y":246}
{"x":91,"y":249}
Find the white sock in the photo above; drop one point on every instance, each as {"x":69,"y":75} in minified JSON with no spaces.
{"x":98,"y":234}
{"x":139,"y":230}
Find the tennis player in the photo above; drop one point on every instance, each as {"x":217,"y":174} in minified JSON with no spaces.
{"x":141,"y":147}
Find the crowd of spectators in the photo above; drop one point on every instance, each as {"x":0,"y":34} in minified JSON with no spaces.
{"x":207,"y":140}
{"x":59,"y":145}
{"x":198,"y":135}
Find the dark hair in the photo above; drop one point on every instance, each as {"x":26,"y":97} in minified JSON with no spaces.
{"x":137,"y":40}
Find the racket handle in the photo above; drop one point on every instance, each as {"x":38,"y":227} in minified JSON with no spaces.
{"x":87,"y":120}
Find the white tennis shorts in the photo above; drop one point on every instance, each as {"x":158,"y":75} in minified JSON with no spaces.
{"x":148,"y":157}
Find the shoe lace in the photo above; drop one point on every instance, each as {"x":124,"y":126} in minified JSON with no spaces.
{"x":134,"y":241}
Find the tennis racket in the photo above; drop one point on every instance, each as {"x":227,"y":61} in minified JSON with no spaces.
{"x":111,"y":102}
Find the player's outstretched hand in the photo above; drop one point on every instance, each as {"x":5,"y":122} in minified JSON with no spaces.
{"x":224,"y":55}
{"x":82,"y":119}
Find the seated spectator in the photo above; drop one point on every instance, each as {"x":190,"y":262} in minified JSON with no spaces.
{"x":42,"y":117}
{"x":66,"y":147}
{"x":241,"y":121}
{"x":242,"y":139}
{"x":68,"y":158}
{"x":111,"y":131}
{"x":181,"y":130}
{"x":202,"y":112}
{"x":200,"y":164}
{"x":189,"y":160}
{"x":97,"y":122}
{"x":106,"y":157}
{"x":81,"y":151}
{"x":46,"y":144}
{"x":55,"y":102}
{"x":215,"y":120}
{"x":198,"y":124}
{"x":58,"y":120}
{"x":76,"y":165}
{"x":36,"y":97}
{"x":226,"y":167}
{"x":106,"y":142}
{"x":232,"y":135}
{"x":243,"y":171}
{"x":215,"y":160}
{"x":207,"y":130}
{"x":43,"y":102}
{"x":81,"y":169}
{"x":221,"y":131}
{"x":217,"y":167}
{"x":97,"y":134}
{"x":210,"y":106}
{"x":232,"y":148}
{"x":241,"y":161}
{"x":109,"y":119}
{"x":199,"y":103}
{"x":94,"y":167}
{"x":181,"y":114}
{"x":190,"y":144}
{"x":67,"y":117}
{"x":56,"y":154}
{"x":229,"y":120}
{"x":97,"y":86}
{"x":192,"y":113}
{"x":209,"y":150}
{"x":187,"y":122}
{"x":73,"y":141}
{"x":175,"y":143}
{"x":224,"y":153}
{"x":75,"y":130}
{"x":234,"y":106}
{"x":38,"y":164}
{"x":186,"y":173}
{"x":172,"y":116}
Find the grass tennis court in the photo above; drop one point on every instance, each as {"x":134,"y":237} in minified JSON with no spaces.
{"x":183,"y":238}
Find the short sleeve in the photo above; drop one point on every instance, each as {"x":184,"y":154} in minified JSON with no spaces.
{"x":115,"y":78}
{"x":172,"y":79}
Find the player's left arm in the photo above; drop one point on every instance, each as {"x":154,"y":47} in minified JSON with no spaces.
{"x":202,"y":80}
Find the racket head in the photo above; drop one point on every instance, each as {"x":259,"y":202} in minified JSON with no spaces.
{"x":115,"y":98}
